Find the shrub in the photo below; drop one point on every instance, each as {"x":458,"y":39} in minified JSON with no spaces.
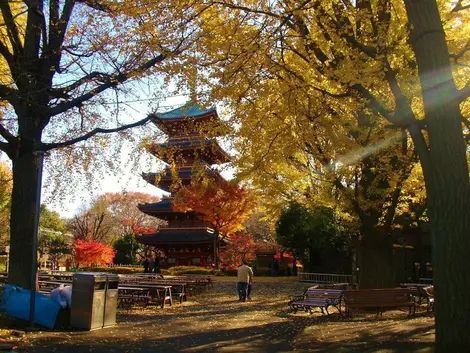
{"x":173,"y":271}
{"x":116,"y":270}
{"x":3,"y":263}
{"x":192,"y":270}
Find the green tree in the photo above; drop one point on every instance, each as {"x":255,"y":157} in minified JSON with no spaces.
{"x":126,"y":250}
{"x":51,"y":220}
{"x":314,"y":236}
{"x":53,"y":240}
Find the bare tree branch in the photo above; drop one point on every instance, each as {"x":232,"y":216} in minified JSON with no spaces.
{"x":50,"y":146}
{"x":459,"y":7}
{"x":7,"y":135}
{"x":463,"y":93}
{"x":57,"y":33}
{"x":113,"y":81}
{"x":12,"y":30}
{"x":33,"y":31}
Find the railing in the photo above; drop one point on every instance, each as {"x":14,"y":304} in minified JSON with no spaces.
{"x":426,"y":280}
{"x":324,"y":278}
{"x":130,"y":266}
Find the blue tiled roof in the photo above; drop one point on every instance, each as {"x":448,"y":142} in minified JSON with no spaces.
{"x":162,"y":205}
{"x":187,"y":110}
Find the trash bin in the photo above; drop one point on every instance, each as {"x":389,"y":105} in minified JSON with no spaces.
{"x":111,"y":300}
{"x":92,"y":307}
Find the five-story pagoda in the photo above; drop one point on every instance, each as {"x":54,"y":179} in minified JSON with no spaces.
{"x":191,"y":147}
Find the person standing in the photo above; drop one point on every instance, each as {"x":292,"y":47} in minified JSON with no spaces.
{"x":244,"y":278}
{"x":146,"y":264}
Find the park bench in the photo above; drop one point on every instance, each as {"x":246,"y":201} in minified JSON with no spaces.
{"x":379,"y":299}
{"x":423,"y":293}
{"x":317,"y":298}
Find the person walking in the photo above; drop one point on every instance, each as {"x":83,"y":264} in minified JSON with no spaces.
{"x":244,"y":278}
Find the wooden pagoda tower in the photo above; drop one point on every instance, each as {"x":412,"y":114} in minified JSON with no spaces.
{"x":191,"y":145}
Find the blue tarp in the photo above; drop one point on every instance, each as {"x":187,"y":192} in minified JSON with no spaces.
{"x":15,"y":302}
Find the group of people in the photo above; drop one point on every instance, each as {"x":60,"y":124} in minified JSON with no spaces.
{"x":150,"y":265}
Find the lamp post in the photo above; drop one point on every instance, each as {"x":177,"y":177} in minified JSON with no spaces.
{"x":40,"y":155}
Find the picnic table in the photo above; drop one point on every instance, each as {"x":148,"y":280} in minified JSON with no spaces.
{"x":161,"y":293}
{"x":46,"y":287}
{"x":128,"y":296}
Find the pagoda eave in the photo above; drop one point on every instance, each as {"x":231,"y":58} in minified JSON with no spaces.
{"x":178,"y":236}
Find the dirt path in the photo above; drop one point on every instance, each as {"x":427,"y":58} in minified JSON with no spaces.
{"x":216,"y":322}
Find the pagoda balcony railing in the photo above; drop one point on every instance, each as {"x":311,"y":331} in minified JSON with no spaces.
{"x":170,"y":229}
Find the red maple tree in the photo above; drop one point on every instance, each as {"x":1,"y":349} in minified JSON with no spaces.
{"x":222,"y":204}
{"x":92,"y":253}
{"x":240,"y":247}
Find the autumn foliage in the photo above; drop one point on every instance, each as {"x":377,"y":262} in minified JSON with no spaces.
{"x":240,"y":247}
{"x":91,"y":253}
{"x":224,"y":205}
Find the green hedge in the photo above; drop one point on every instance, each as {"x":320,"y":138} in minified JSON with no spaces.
{"x":174,"y":271}
{"x":3,"y":263}
{"x":193,"y":270}
{"x":116,"y":270}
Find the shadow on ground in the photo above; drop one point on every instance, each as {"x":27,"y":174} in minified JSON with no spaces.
{"x":215,"y":322}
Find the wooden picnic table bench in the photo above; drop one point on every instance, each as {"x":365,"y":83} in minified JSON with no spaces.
{"x":379,"y":299}
{"x":128,"y":296}
{"x":159,"y":292}
{"x":317,"y":298}
{"x":48,"y":286}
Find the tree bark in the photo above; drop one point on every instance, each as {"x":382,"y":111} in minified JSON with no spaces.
{"x":375,"y":259}
{"x":447,"y":178}
{"x":23,"y":205}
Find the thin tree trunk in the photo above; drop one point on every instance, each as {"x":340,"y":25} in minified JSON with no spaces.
{"x":23,"y":205}
{"x":446,"y":175}
{"x":375,"y":259}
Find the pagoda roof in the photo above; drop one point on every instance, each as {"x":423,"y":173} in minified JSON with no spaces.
{"x":189,"y":110}
{"x":178,"y":236}
{"x":164,"y":179}
{"x":164,"y":205}
{"x":214,"y":153}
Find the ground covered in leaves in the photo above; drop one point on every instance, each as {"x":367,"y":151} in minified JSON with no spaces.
{"x":216,"y":322}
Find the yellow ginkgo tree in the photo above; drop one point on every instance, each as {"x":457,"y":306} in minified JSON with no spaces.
{"x":365,"y":74}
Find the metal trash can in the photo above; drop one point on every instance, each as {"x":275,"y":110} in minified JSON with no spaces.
{"x":92,"y":307}
{"x":112,"y":283}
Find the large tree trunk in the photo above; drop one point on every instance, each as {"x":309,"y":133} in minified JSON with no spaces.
{"x":446,"y":175}
{"x":23,"y":206}
{"x":375,"y":259}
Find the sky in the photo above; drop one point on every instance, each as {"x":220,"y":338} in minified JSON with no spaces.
{"x":129,"y":180}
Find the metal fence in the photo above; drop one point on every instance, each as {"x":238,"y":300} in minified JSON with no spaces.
{"x":121,"y":265}
{"x":426,"y":280}
{"x":324,"y":278}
